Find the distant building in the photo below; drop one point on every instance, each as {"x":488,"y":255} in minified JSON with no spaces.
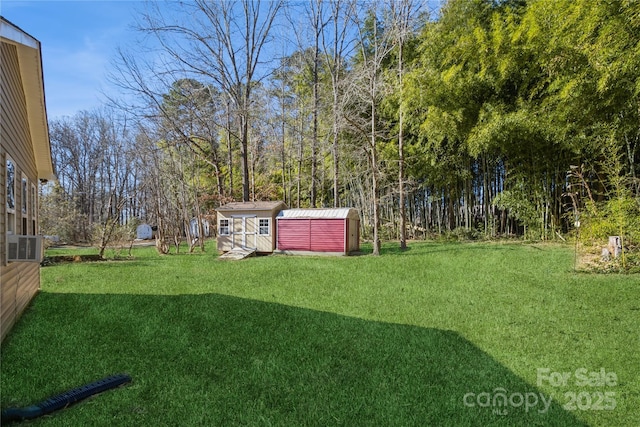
{"x":193,"y":227}
{"x":144,"y":232}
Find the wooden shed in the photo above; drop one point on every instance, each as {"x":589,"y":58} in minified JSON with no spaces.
{"x":248,"y":225}
{"x":25,"y":159}
{"x":329,"y":231}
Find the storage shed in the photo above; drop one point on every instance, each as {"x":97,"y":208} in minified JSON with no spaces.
{"x":330,"y":231}
{"x":144,"y":232}
{"x":248,"y":225}
{"x":193,"y":227}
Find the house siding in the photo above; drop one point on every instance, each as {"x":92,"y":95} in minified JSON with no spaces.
{"x":20,"y":281}
{"x":15,"y":136}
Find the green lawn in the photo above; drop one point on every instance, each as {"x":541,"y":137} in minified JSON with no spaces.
{"x":397,"y":340}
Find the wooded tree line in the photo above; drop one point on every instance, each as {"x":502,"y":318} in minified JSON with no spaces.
{"x":483,"y":118}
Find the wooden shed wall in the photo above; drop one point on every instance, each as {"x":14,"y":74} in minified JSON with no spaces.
{"x":353,"y":235}
{"x":19,"y":281}
{"x":264,"y":243}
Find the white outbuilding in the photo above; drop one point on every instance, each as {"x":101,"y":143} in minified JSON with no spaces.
{"x":144,"y":232}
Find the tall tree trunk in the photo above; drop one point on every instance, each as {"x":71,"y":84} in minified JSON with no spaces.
{"x":283,"y":152}
{"x":299,"y":177}
{"x":403,"y":213}
{"x":334,"y":150}
{"x":374,"y":181}
{"x":230,"y":150}
{"x":245,"y":157}
{"x":316,"y":101}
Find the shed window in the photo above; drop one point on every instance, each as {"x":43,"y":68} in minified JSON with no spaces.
{"x":263,"y":226}
{"x":223,"y":228}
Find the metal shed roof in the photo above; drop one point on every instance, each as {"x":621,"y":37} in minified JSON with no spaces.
{"x":339,"y":213}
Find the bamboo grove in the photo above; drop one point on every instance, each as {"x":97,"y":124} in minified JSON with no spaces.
{"x":478,"y":118}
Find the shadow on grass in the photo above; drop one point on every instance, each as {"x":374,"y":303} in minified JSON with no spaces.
{"x":220,"y":360}
{"x":426,"y":247}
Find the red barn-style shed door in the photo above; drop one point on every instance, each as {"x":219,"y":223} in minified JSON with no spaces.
{"x":294,"y":235}
{"x":327,"y":235}
{"x":317,"y":235}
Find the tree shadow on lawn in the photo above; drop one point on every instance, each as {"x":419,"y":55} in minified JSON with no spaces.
{"x":420,"y":248}
{"x":219,"y":360}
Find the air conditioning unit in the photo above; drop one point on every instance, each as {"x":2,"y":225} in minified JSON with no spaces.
{"x":24,"y":248}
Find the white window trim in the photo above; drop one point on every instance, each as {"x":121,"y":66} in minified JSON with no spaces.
{"x":33,"y":205}
{"x":220,"y":226}
{"x":24,"y":196}
{"x":10,"y":212}
{"x":10,"y":160}
{"x":24,"y":205}
{"x":268,"y":233}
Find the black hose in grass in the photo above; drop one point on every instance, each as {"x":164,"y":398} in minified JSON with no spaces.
{"x":63,"y":400}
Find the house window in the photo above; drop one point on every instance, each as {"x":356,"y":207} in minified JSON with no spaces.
{"x":25,"y":195}
{"x":11,"y":196}
{"x":33,"y":209}
{"x":24,"y":204}
{"x":263,"y":226}
{"x":223,"y":227}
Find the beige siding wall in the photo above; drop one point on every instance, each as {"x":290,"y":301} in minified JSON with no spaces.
{"x":19,"y":281}
{"x":15,"y":138}
{"x":354,"y":230}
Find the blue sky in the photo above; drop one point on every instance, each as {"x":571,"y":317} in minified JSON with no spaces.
{"x":79,"y":39}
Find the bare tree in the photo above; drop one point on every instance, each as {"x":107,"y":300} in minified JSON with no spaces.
{"x":367,"y":90}
{"x":223,"y":42}
{"x":314,"y":21}
{"x":220,"y":44}
{"x":93,"y":154}
{"x":77,"y":155}
{"x":337,"y":45}
{"x":164,"y":180}
{"x":315,"y":13}
{"x":403,"y":16}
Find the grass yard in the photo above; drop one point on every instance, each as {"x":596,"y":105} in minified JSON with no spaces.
{"x":432,"y":336}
